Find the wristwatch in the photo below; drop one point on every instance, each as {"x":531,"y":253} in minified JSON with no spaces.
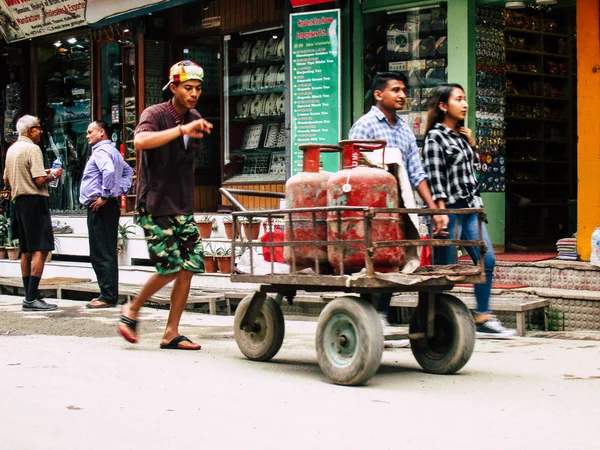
{"x":104,"y":198}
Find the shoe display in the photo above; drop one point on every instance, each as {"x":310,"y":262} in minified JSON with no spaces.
{"x":38,"y":305}
{"x":493,"y":329}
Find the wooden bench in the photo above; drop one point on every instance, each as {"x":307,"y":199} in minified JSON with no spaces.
{"x":56,"y":284}
{"x":128,"y":290}
{"x":196,"y":295}
{"x":520,"y":306}
{"x":163,"y":296}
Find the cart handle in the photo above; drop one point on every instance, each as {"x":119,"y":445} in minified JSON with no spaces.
{"x":228,"y":194}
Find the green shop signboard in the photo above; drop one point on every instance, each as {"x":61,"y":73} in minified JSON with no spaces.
{"x":315,"y":83}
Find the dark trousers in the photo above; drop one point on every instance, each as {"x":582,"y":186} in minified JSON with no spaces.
{"x":103,"y":228}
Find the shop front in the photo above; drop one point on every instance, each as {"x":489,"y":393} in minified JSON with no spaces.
{"x":111,"y":69}
{"x":519,"y":70}
{"x":520,"y":67}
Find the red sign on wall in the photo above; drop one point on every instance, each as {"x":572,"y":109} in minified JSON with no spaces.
{"x":298,"y":3}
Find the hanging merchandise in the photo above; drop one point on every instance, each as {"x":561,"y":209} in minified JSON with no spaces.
{"x":491,"y":83}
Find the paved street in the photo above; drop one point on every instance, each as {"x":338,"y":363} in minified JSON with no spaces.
{"x":69,"y":382}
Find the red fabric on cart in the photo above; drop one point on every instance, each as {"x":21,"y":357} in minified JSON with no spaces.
{"x":278,"y":251}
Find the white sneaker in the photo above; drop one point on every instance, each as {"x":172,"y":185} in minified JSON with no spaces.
{"x":493,"y":329}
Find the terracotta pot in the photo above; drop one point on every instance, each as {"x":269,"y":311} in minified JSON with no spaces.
{"x":210,"y":266}
{"x":2,"y":252}
{"x":255,"y":230}
{"x":12,"y":252}
{"x":229,"y":230}
{"x":224,"y":263}
{"x":205,"y":229}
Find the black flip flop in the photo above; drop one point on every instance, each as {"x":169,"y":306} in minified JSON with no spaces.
{"x":132,"y":324}
{"x":174,"y":344}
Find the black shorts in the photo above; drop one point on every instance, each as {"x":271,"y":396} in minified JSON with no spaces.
{"x":32,"y":224}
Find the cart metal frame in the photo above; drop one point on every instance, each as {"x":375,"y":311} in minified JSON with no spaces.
{"x":433,"y":306}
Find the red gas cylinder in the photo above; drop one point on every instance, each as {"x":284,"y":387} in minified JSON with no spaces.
{"x":363,"y":186}
{"x":308,"y":190}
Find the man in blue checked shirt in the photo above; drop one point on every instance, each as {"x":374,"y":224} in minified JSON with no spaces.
{"x":105,"y":178}
{"x":383,"y":122}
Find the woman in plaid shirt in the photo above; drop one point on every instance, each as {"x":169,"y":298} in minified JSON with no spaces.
{"x":448,"y":157}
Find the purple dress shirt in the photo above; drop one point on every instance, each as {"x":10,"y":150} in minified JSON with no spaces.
{"x":106,"y":174}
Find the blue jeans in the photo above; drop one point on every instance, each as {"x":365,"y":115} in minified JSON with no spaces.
{"x":468,"y":229}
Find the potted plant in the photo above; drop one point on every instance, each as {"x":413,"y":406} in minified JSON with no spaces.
{"x":12,"y":250}
{"x":228,"y":224}
{"x":251,"y":227}
{"x":205,"y":226}
{"x":123,"y":233}
{"x":223,"y":258}
{"x":210,"y":265}
{"x":4,"y":227}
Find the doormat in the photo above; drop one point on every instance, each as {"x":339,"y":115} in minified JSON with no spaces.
{"x":62,"y":280}
{"x":518,"y":257}
{"x":496,"y":286}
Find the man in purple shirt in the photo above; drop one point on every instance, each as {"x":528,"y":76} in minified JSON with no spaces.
{"x":105,"y":178}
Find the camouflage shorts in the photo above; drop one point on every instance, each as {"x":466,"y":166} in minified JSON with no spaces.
{"x":174,"y":243}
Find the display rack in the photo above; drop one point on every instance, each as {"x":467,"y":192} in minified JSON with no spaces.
{"x":254,"y":126}
{"x":539,"y":126}
{"x":415,"y":43}
{"x":130,"y":118}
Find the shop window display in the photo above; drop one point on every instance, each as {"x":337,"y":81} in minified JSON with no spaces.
{"x":64,"y":74}
{"x":415,"y":43}
{"x":491,"y":102}
{"x":540,"y":127}
{"x":12,"y":107}
{"x":255,"y":107}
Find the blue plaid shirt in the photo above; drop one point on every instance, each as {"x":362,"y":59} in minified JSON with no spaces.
{"x":374,"y":125}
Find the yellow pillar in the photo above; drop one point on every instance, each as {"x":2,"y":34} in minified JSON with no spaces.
{"x":588,"y":123}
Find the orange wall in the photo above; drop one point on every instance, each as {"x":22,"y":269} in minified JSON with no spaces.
{"x":588,"y":123}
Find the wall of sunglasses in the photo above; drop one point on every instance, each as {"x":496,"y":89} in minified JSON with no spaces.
{"x":491,"y":102}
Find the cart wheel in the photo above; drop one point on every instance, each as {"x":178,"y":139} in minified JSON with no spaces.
{"x":453,"y":342}
{"x":349,"y":341}
{"x":264,"y":341}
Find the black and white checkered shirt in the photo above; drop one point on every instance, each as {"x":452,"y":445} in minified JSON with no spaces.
{"x":448,"y":161}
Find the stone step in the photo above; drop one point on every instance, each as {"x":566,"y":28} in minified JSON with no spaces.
{"x":557,"y":274}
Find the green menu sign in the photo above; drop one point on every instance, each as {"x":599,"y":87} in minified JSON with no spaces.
{"x":315,"y":95}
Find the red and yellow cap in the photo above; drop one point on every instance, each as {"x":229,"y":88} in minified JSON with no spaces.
{"x":183,"y":71}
